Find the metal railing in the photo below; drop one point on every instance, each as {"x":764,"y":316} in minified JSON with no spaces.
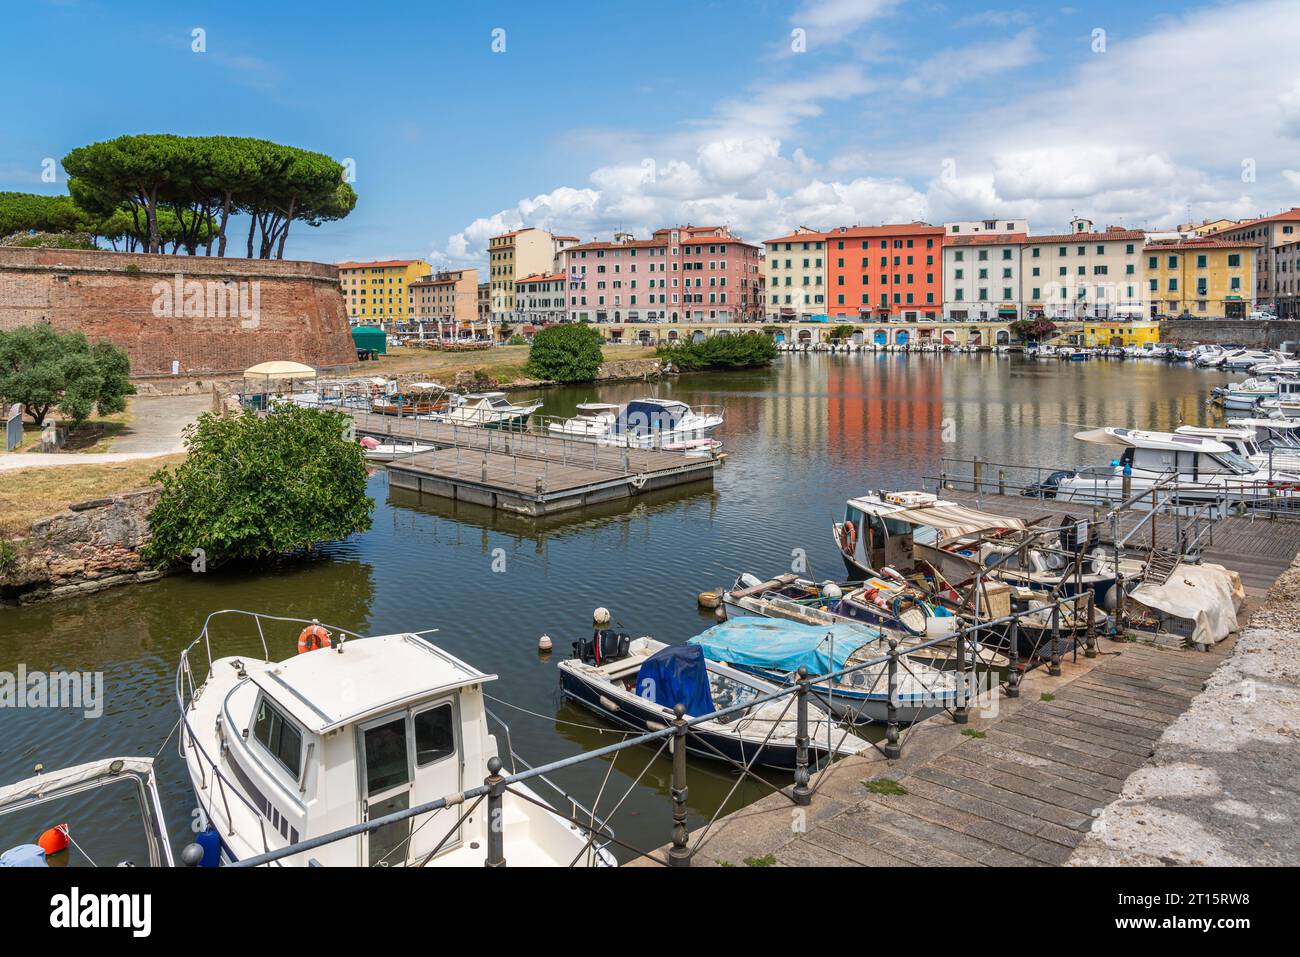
{"x":973,"y":681}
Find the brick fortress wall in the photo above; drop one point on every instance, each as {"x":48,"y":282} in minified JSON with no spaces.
{"x":300,"y":314}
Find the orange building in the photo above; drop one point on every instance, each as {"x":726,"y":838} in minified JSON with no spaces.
{"x":885,"y":272}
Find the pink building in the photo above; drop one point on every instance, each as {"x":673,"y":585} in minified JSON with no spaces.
{"x":680,"y":274}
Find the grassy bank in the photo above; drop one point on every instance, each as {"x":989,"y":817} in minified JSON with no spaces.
{"x":502,"y":363}
{"x":30,"y":494}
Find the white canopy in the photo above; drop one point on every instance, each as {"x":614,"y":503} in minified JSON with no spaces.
{"x":954,"y":520}
{"x":1164,"y":441}
{"x":280,"y":370}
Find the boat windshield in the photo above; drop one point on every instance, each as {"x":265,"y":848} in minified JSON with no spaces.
{"x":1233,"y":463}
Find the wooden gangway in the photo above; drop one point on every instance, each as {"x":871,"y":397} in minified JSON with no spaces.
{"x":525,"y":470}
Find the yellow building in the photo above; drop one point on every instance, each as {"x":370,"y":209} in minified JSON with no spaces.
{"x":1201,"y":278}
{"x":379,"y":293}
{"x":1128,"y":333}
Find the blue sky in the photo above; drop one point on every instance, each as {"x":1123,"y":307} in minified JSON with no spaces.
{"x":632,"y":115}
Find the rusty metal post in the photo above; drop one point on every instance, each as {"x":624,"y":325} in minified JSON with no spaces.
{"x":1054,"y":667}
{"x":893,"y":745}
{"x":1013,"y":666}
{"x":1090,"y":648}
{"x":679,"y":855}
{"x":977,"y":470}
{"x":802,"y":793}
{"x":496,"y":847}
{"x":961,"y":713}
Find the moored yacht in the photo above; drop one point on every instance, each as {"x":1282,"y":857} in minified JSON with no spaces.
{"x":350,"y":730}
{"x":1280,"y":462}
{"x":490,"y":410}
{"x":1194,"y":470}
{"x":642,"y":423}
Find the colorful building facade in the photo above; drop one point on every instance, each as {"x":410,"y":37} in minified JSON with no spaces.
{"x":520,"y":252}
{"x":795,"y":274}
{"x":981,"y":276}
{"x":450,"y":296}
{"x":1268,"y":232}
{"x":681,"y":274}
{"x":1084,"y":274}
{"x":541,"y":299}
{"x":885,"y":272}
{"x":1206,"y":278}
{"x":378,"y":293}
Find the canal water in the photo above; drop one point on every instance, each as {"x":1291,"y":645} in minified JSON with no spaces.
{"x":800,"y":437}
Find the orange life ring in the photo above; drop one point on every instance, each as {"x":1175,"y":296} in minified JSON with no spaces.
{"x":848,"y":538}
{"x":312,"y":637}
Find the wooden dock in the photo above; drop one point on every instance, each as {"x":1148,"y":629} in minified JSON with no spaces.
{"x":525,"y":472}
{"x":1023,"y":782}
{"x":1019,"y":787}
{"x":1258,"y":548}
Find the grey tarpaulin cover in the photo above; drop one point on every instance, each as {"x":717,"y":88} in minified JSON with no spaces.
{"x":1208,"y":595}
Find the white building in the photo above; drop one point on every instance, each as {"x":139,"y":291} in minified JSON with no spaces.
{"x":1084,"y":274}
{"x":980,"y":227}
{"x":981,"y":276}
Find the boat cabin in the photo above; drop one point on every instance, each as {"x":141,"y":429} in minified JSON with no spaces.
{"x":346,"y":734}
{"x":1186,"y":457}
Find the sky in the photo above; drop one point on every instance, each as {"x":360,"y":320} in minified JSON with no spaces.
{"x":462,"y":120}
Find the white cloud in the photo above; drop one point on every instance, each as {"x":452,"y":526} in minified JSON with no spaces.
{"x":1112,"y":138}
{"x":830,"y":21}
{"x":951,"y":69}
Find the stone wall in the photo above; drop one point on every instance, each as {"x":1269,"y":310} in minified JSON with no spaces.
{"x":220,"y":315}
{"x":91,"y":546}
{"x":1239,"y":332}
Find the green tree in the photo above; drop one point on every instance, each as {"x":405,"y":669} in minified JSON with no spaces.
{"x":258,"y":487}
{"x":747,"y":350}
{"x":845,"y":331}
{"x":43,"y":370}
{"x":565,"y":353}
{"x":34,"y":213}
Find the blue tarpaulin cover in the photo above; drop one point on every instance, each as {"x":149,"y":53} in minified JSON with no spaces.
{"x":774,"y":644}
{"x":646,"y":418}
{"x":676,"y":675}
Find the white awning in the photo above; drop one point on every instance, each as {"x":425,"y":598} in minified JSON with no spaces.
{"x":954,"y":520}
{"x":280,"y":370}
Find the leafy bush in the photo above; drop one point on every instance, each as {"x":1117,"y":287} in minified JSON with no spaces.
{"x":255,"y":487}
{"x":565,"y":353}
{"x":845,"y":331}
{"x":743,"y":351}
{"x":1033,"y":329}
{"x":42,"y":370}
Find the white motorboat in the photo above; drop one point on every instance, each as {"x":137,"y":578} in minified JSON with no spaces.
{"x":350,"y":730}
{"x":1207,"y":356}
{"x":489,"y":410}
{"x":642,"y":423}
{"x":1281,"y":464}
{"x":1193,"y":470}
{"x":1245,"y":395}
{"x":47,"y":787}
{"x":1239,"y":360}
{"x":390,"y":451}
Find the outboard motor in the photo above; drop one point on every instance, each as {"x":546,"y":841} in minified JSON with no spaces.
{"x":604,"y":645}
{"x":1047,"y":487}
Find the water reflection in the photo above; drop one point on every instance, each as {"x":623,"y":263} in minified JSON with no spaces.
{"x":801,"y":438}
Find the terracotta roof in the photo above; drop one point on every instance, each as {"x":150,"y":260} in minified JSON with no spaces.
{"x":379,"y":263}
{"x":1205,"y":244}
{"x":630,"y":243}
{"x":1290,"y":215}
{"x":1110,"y":234}
{"x":796,"y":238}
{"x":552,"y":277}
{"x":985,"y":239}
{"x":440,"y":279}
{"x":896,"y":229}
{"x":566,"y":239}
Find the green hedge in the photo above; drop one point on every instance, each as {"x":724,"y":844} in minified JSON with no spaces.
{"x":743,"y":351}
